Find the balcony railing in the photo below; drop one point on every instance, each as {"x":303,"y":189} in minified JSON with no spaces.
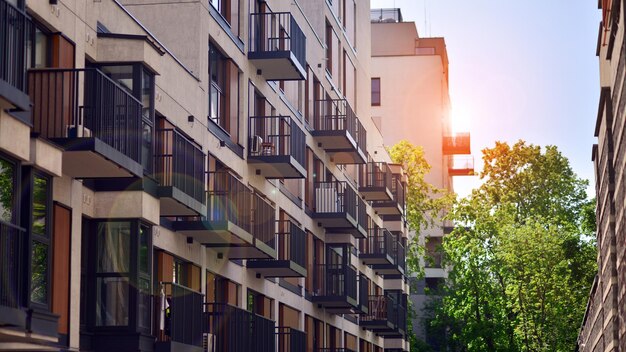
{"x":229,"y":200}
{"x":329,"y":349}
{"x":291,"y":242}
{"x":16,"y":28}
{"x":339,"y":130}
{"x":395,"y":206}
{"x":11,"y":268}
{"x":333,"y":197}
{"x":376,"y":181}
{"x":335,"y":280}
{"x":277,"y":140}
{"x":461,"y":165}
{"x":399,"y":254}
{"x":180,"y":163}
{"x":457,"y":144}
{"x":180,"y":315}
{"x":236,"y":330}
{"x":290,"y":339}
{"x":107,"y":111}
{"x":276,"y":39}
{"x":379,"y":243}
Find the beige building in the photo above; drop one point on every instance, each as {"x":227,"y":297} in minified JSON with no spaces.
{"x":603,"y":327}
{"x":410,"y":101}
{"x":195,"y":176}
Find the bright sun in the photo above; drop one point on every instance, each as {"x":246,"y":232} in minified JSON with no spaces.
{"x":459,"y":122}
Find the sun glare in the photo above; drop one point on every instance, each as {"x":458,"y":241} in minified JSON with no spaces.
{"x":459,"y":122}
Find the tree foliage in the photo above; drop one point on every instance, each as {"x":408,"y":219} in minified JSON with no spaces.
{"x":425,"y":203}
{"x":523,"y":258}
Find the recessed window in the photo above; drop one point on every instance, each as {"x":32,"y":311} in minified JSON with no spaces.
{"x":40,"y":250}
{"x":375,"y":91}
{"x":7,"y":191}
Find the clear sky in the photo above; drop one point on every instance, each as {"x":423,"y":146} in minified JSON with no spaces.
{"x":519,"y":69}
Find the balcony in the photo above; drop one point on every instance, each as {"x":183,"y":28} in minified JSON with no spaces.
{"x":461,"y":165}
{"x":398,"y":256}
{"x":394,"y":206}
{"x":28,"y":328}
{"x":16,"y":28}
{"x":338,"y":209}
{"x":96,"y":121}
{"x":277,"y":147}
{"x":277,"y":46}
{"x":338,"y":130}
{"x":236,"y":330}
{"x":330,"y":349}
{"x":387,"y":314}
{"x":179,"y":165}
{"x":457,"y":144}
{"x":290,"y":244}
{"x":179,"y":322}
{"x":335,"y":288}
{"x":290,"y":339}
{"x":239,"y":223}
{"x":382,"y":314}
{"x":376,"y":182}
{"x":377,"y":247}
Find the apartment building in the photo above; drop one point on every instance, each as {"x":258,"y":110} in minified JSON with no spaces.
{"x":195,"y":176}
{"x":410,"y":101}
{"x":603,"y":327}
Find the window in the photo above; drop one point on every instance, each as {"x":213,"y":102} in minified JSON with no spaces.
{"x":40,"y":250}
{"x":8,"y":179}
{"x":329,"y":48}
{"x":113,"y":273}
{"x":224,"y":77}
{"x":229,"y":10}
{"x":375,"y":91}
{"x":179,"y":272}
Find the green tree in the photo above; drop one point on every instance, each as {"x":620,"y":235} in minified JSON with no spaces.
{"x":425,"y":203}
{"x":425,"y":207}
{"x":522,"y":258}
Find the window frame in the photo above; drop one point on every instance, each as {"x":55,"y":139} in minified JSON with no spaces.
{"x":43,"y":239}
{"x":379,"y":100}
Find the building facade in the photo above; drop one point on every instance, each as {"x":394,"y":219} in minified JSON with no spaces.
{"x":195,"y":176}
{"x":603,"y":327}
{"x":410,"y":101}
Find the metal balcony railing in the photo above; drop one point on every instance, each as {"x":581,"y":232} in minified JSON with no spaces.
{"x":180,"y":163}
{"x":291,"y":242}
{"x":180,"y":314}
{"x":399,"y":253}
{"x":107,"y":110}
{"x":236,"y":330}
{"x":335,"y":197}
{"x":376,"y":175}
{"x":276,"y":136}
{"x":16,"y":28}
{"x":379,"y":241}
{"x":336,"y":280}
{"x":229,"y":200}
{"x":275,"y":32}
{"x":377,"y":308}
{"x":398,"y":191}
{"x":11,"y":268}
{"x":457,"y":144}
{"x":290,"y":339}
{"x":336,"y":115}
{"x":461,"y":165}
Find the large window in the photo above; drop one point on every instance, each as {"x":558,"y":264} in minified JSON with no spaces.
{"x":40,"y":230}
{"x":112,"y":273}
{"x":224,"y":77}
{"x":229,"y":10}
{"x":375,"y":91}
{"x":8,"y":177}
